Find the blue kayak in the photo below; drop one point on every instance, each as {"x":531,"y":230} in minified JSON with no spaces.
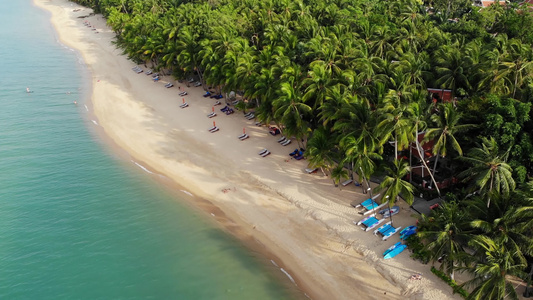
{"x":407,"y":232}
{"x":397,"y":250}
{"x":391,"y":248}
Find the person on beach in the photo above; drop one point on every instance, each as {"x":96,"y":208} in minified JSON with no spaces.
{"x":415,"y":277}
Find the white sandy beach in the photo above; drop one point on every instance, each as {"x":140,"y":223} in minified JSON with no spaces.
{"x":302,"y":220}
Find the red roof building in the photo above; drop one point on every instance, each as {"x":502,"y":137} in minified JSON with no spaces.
{"x":486,"y":3}
{"x":441,"y":94}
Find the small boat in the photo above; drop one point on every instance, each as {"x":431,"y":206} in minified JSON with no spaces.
{"x":369,"y":222}
{"x":407,"y":232}
{"x":397,"y":250}
{"x":390,"y":211}
{"x":387,"y":230}
{"x":391,"y":248}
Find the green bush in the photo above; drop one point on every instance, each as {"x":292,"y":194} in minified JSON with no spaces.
{"x":416,"y":246}
{"x":456,"y":288}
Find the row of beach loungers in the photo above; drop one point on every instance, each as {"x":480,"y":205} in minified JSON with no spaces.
{"x":298,"y":154}
{"x":368,"y":206}
{"x":214,"y":96}
{"x":284,"y":141}
{"x":155,"y":76}
{"x":196,"y":84}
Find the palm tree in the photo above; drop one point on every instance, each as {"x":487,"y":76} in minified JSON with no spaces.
{"x":265,"y":89}
{"x":446,"y":235}
{"x":417,"y":111}
{"x":491,"y":270}
{"x":416,"y":67}
{"x":356,"y":119}
{"x":188,"y":49}
{"x":446,"y":127}
{"x":395,"y":123}
{"x":316,"y":84}
{"x":290,"y":110}
{"x":320,"y":150}
{"x":452,"y":68}
{"x":508,"y":221}
{"x":489,"y":170}
{"x":515,"y":66}
{"x":337,"y":173}
{"x":393,"y":184}
{"x":362,"y":158}
{"x":336,"y":99}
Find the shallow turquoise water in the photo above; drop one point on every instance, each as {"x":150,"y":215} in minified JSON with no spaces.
{"x":79,"y":222}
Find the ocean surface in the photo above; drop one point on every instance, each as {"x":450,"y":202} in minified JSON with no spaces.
{"x":78,"y":221}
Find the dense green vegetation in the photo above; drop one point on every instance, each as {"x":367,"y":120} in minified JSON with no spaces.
{"x":450,"y":282}
{"x":346,"y":77}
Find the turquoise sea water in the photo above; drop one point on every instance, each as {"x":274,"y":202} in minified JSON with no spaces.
{"x":76,"y":220}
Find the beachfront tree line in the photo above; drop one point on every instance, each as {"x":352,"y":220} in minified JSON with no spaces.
{"x":348,"y":79}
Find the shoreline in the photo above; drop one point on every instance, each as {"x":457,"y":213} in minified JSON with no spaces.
{"x":305,"y":224}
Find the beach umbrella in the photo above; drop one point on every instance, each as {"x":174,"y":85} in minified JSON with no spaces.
{"x":243,"y":130}
{"x":183,"y":100}
{"x":213,"y":109}
{"x":214,"y":124}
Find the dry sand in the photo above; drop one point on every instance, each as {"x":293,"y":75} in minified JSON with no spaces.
{"x":301,"y":219}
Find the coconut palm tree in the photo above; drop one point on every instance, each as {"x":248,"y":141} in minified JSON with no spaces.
{"x":452,"y":68}
{"x":361,"y":157}
{"x":265,"y":89}
{"x":446,"y":233}
{"x":515,"y":65}
{"x":290,"y":110}
{"x":416,"y":68}
{"x":188,"y":49}
{"x":417,"y":113}
{"x":508,"y":221}
{"x":320,"y":152}
{"x":316,"y":84}
{"x":489,"y":171}
{"x":358,"y":120}
{"x":336,"y":99}
{"x":337,"y":173}
{"x":447,"y":125}
{"x":395,"y":123}
{"x":491,"y":271}
{"x":393,"y":184}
